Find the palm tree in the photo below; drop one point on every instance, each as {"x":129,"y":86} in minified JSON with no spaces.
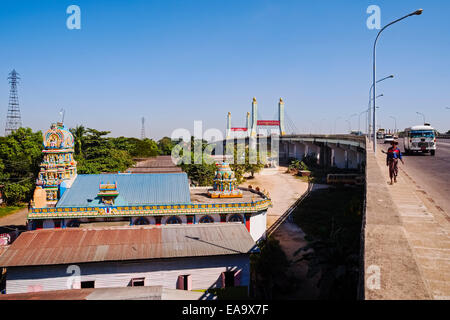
{"x":78,"y":135}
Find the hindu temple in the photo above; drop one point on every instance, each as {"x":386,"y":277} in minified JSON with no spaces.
{"x":64,"y":199}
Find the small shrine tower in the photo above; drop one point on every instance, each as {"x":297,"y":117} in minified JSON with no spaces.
{"x":224,"y":183}
{"x":58,"y":167}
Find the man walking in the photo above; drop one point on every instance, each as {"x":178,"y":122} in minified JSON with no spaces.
{"x":393,"y":155}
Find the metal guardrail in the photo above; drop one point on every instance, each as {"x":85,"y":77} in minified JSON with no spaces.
{"x":351,"y":137}
{"x":288,"y":212}
{"x":443,"y":136}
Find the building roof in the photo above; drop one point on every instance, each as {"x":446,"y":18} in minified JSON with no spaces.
{"x":126,"y":293}
{"x":167,"y":188}
{"x":75,"y":245}
{"x":200,"y":195}
{"x":159,"y":164}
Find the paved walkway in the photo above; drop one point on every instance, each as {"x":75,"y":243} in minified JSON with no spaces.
{"x":406,"y":236}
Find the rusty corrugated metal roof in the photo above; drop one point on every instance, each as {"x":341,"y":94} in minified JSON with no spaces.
{"x":159,"y":164}
{"x":64,"y":246}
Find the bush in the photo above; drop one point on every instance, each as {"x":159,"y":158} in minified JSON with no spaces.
{"x":14,"y":193}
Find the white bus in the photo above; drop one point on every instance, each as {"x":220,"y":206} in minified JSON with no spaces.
{"x":420,"y":139}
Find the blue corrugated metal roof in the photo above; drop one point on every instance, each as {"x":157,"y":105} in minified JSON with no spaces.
{"x":134,"y":189}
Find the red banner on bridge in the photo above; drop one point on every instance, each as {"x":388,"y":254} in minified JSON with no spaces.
{"x":268,"y":123}
{"x":238,"y":129}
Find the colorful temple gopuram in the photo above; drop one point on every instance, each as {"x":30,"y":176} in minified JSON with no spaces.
{"x":64,"y":198}
{"x":58,"y":168}
{"x":225,"y":183}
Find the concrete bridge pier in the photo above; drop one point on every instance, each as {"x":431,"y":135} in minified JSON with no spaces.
{"x":339,"y":157}
{"x":325,"y":156}
{"x":293,"y":149}
{"x":313,"y":149}
{"x":301,"y":150}
{"x":353,"y":159}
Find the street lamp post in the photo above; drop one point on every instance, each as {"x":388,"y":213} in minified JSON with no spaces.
{"x":369,"y":104}
{"x":335,"y":124}
{"x":417,"y":12}
{"x":395,"y":120}
{"x":349,"y":122}
{"x":423,"y":116}
{"x":368,"y":109}
{"x":359,"y":120}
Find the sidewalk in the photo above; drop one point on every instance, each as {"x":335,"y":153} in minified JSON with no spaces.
{"x":409,"y":240}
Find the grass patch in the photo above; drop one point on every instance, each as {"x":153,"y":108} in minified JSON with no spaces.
{"x":7,"y":210}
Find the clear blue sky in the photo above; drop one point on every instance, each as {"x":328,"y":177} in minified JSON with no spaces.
{"x":174,"y":62}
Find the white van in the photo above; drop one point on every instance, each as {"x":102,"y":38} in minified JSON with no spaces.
{"x":420,"y":139}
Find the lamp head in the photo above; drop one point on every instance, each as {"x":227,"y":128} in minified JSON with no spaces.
{"x":418,"y":12}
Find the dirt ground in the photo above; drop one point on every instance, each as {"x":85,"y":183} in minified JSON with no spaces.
{"x":284,"y":190}
{"x":18,"y":218}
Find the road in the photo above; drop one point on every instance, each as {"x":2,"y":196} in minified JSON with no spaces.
{"x":431,"y":174}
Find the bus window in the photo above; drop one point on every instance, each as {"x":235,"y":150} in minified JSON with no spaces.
{"x":421,"y":134}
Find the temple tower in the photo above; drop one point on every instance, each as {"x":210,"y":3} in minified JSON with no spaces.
{"x":225,"y":183}
{"x":58,"y":167}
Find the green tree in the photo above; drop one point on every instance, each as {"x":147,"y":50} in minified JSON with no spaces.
{"x":136,"y":147}
{"x":100,"y":154}
{"x":166,"y":145}
{"x":145,"y":148}
{"x":20,"y":156}
{"x":78,"y":135}
{"x":199,"y":170}
{"x":253,"y":167}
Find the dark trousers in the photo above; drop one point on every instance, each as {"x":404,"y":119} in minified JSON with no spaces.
{"x":393,"y":168}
